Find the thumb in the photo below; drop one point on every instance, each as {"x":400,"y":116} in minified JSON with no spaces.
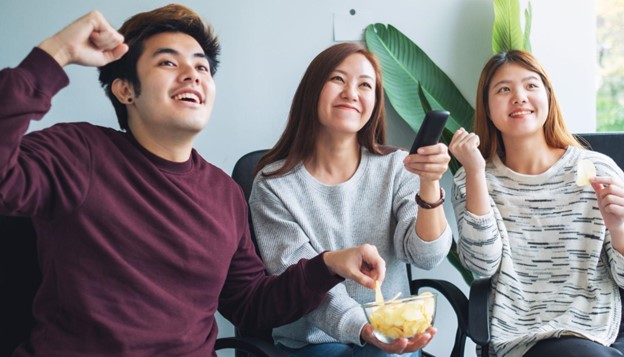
{"x":118,"y":52}
{"x":598,"y":189}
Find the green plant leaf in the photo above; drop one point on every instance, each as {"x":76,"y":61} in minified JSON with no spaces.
{"x":528,"y":16}
{"x":453,"y":258}
{"x":507,"y":31}
{"x":413,"y":83}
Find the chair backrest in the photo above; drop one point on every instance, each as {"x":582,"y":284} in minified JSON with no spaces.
{"x":608,"y":144}
{"x":243,"y":175}
{"x":20,"y":277}
{"x":244,"y":168}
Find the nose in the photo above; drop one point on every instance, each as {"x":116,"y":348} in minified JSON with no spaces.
{"x":349,"y":92}
{"x":189,"y":74}
{"x":520,"y":98}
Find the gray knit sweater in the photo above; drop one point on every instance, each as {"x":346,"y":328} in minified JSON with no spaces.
{"x":545,"y":244}
{"x":295,"y":217}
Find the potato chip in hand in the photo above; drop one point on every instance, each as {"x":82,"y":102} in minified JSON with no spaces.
{"x":585,"y":170}
{"x":378,"y":296}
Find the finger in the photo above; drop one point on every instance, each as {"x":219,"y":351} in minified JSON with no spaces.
{"x":435,"y":168}
{"x":364,"y":279}
{"x":419,"y":342}
{"x":438,"y":148}
{"x":458,"y":133}
{"x":99,"y":23}
{"x":606,"y":181}
{"x":422,"y":340}
{"x":616,"y":210}
{"x":118,"y":52}
{"x":608,"y":193}
{"x":465,"y":142}
{"x":474,"y":140}
{"x":439,"y":166}
{"x":432,"y":331}
{"x":611,"y":199}
{"x":471,"y":140}
{"x":372,"y":266}
{"x":397,"y":346}
{"x":373,"y":258}
{"x":107,"y":40}
{"x":435,"y":158}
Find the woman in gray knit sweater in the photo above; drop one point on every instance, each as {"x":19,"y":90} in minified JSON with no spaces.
{"x":552,"y":247}
{"x":330,"y":182}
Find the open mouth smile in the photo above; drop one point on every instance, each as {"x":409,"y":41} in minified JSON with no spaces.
{"x":191,"y":97}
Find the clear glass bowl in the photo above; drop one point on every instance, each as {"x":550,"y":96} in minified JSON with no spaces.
{"x":408,"y":317}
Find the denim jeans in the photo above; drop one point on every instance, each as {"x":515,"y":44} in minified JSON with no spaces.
{"x":340,"y":350}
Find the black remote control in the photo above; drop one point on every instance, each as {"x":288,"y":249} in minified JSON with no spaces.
{"x":431,"y":129}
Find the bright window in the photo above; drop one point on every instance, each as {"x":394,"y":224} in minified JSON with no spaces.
{"x":610,"y":38}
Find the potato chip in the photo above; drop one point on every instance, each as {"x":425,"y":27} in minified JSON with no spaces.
{"x":585,"y":170}
{"x":378,"y":296}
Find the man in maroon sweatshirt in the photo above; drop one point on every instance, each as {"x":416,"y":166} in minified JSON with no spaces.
{"x":140,"y":240}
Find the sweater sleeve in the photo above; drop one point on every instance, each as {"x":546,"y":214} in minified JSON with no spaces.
{"x":283,"y":243}
{"x":26,"y":94}
{"x":254,"y":301}
{"x":479,"y":244}
{"x":37,"y":170}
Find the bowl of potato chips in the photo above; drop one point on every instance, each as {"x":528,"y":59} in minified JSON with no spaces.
{"x":408,"y":317}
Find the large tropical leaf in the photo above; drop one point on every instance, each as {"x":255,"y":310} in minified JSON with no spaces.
{"x":507,"y":31}
{"x":413,"y":83}
{"x":453,"y":258}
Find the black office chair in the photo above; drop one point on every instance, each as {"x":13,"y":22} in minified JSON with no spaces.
{"x":20,"y":278}
{"x":243,"y":174}
{"x":609,"y":144}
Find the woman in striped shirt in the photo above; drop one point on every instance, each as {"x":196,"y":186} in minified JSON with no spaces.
{"x":553,"y":248}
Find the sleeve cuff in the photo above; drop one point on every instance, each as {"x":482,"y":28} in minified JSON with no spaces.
{"x":45,"y":74}
{"x":318,"y":276}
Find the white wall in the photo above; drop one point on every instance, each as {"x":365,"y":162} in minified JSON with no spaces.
{"x":268,"y":44}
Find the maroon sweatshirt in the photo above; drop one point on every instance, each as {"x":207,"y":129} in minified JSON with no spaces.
{"x":137,"y":253}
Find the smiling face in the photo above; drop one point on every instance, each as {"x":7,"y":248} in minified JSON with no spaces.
{"x":518,"y":101}
{"x":348,"y":97}
{"x":177,"y":90}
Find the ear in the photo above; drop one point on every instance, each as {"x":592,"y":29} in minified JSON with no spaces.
{"x":123,"y":91}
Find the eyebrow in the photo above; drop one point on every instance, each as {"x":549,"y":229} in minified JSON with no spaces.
{"x":362,"y":76}
{"x":176,"y":53}
{"x":505,"y":81}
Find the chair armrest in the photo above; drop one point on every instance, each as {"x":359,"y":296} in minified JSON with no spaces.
{"x":458,"y":302}
{"x":253,"y":345}
{"x":479,"y":311}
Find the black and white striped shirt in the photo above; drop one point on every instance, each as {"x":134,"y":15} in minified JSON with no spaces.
{"x":544,"y":242}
